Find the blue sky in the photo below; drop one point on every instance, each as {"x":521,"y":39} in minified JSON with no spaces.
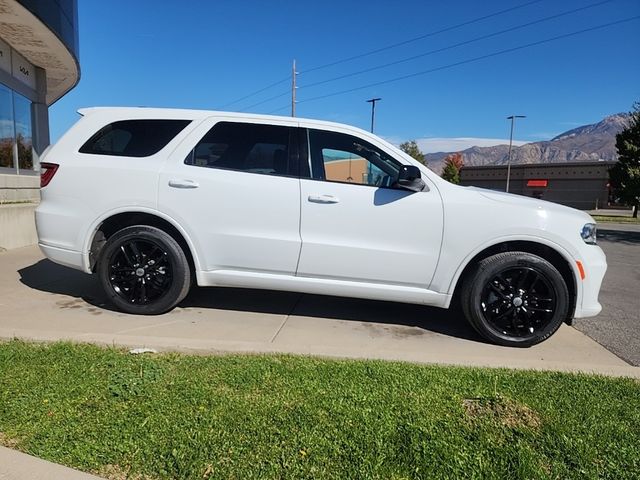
{"x":206,"y":54}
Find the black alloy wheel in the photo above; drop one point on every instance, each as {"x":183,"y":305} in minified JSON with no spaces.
{"x":515,"y":299}
{"x":143,"y":270}
{"x":518,"y":301}
{"x":140,"y":271}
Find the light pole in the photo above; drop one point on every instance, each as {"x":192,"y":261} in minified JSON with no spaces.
{"x":373,"y":101}
{"x":513,"y":119}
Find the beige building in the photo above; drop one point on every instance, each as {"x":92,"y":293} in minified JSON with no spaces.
{"x":582,"y":185}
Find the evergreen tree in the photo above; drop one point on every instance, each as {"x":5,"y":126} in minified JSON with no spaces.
{"x":411,"y":148}
{"x":625,"y":175}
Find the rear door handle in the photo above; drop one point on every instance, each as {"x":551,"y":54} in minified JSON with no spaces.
{"x":323,"y":199}
{"x":183,"y":183}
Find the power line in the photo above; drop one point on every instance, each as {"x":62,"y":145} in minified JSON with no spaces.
{"x":471,"y":60}
{"x":459,"y":44}
{"x":288,"y":92}
{"x":279,"y":109}
{"x":415,"y":39}
{"x":255,"y":93}
{"x":382,"y":49}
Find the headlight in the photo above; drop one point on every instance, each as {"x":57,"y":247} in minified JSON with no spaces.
{"x":588,"y":233}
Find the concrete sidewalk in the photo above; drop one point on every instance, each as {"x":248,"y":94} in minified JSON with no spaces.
{"x":20,"y":466}
{"x":40,"y":300}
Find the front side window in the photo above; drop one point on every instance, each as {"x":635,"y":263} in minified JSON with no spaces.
{"x":337,"y":157}
{"x":134,"y":138}
{"x":246,"y":147}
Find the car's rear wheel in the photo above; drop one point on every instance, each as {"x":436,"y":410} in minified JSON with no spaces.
{"x":515,"y":299}
{"x":143,"y":270}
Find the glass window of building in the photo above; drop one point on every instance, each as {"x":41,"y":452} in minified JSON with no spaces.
{"x":7,"y":128}
{"x":16,"y":133}
{"x":22,"y":113}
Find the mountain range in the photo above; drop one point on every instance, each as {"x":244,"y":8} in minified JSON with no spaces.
{"x":588,"y":143}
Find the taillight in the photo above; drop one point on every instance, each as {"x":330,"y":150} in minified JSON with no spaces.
{"x":47,"y":171}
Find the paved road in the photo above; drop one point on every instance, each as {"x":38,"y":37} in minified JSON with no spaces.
{"x":43,"y":301}
{"x":618,"y":326}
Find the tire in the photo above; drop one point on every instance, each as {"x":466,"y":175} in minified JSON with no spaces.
{"x":144,"y":271}
{"x":515,"y":299}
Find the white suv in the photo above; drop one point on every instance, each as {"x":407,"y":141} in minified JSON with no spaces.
{"x":154,"y":200}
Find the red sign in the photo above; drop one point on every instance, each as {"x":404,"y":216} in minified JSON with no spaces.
{"x":537,"y":183}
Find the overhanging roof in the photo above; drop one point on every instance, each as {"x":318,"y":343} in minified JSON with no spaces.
{"x":41,"y":46}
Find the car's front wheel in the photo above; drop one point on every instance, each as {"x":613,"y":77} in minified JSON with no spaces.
{"x":143,"y":270}
{"x":515,"y":299}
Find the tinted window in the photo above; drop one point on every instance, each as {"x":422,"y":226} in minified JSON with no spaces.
{"x":245,"y":147}
{"x":134,"y":138}
{"x":344,"y":158}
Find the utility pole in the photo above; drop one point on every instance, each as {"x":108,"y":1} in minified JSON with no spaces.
{"x":512,"y":118}
{"x":293,"y":88}
{"x":373,"y":101}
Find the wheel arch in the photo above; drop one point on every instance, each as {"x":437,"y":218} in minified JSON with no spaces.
{"x":115,"y":221}
{"x":553,"y":254}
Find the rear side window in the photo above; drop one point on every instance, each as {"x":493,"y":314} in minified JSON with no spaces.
{"x":246,"y":147}
{"x":133,"y":138}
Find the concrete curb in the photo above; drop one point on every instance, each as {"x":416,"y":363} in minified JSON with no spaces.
{"x":208,"y":347}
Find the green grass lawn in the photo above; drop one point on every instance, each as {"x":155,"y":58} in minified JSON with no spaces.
{"x":245,"y":417}
{"x":615,"y":219}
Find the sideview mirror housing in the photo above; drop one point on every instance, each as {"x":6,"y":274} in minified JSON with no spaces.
{"x":409,"y":178}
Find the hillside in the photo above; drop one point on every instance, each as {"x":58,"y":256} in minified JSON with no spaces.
{"x":583,"y":144}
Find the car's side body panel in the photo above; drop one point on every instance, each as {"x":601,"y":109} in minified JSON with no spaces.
{"x":237,"y":220}
{"x":476,"y":220}
{"x":88,"y":187}
{"x":324,"y":286}
{"x":370,"y":234}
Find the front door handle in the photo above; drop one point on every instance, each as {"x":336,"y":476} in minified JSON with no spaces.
{"x":183,"y":183}
{"x":323,"y":199}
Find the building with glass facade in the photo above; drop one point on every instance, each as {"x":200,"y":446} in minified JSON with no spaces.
{"x":38,"y":65}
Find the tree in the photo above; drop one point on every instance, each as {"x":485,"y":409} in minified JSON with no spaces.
{"x":411,"y":148}
{"x":625,"y":175}
{"x":452,"y":165}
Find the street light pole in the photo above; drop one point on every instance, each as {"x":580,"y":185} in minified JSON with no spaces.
{"x":512,"y":118}
{"x":373,"y":101}
{"x":293,"y":88}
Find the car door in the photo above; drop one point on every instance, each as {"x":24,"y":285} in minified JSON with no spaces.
{"x":356,"y":226}
{"x":235,"y":189}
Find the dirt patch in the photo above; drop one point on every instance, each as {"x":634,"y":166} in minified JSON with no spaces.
{"x":396,"y":331}
{"x":116,"y":472}
{"x":76,"y":304}
{"x":72,"y":304}
{"x":502,"y":410}
{"x":7,"y":441}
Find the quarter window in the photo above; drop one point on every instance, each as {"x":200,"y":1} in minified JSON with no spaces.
{"x":134,"y":138}
{"x":246,"y":147}
{"x":338,"y":157}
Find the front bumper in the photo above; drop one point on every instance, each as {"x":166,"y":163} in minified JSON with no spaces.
{"x":595,"y":266}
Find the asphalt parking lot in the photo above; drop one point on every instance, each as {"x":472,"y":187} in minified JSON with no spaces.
{"x":618,"y":325}
{"x":42,"y":301}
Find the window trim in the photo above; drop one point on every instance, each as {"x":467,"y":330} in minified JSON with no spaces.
{"x":303,"y":160}
{"x":317,"y":166}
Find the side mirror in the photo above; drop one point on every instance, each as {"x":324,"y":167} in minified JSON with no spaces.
{"x":409,"y":178}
